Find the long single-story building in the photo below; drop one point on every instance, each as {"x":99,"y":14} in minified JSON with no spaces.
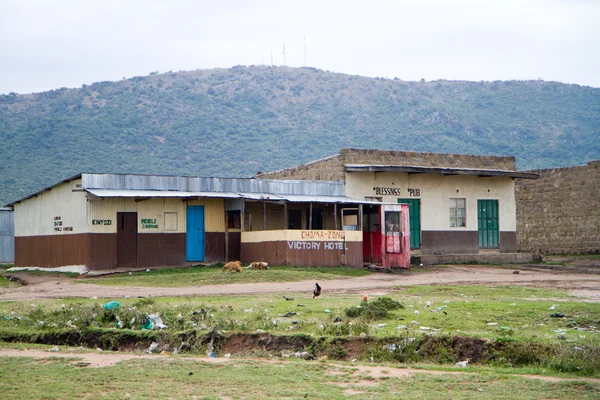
{"x":109,"y":221}
{"x":459,"y":204}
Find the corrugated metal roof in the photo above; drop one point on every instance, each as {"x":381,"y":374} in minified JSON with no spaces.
{"x":198,"y":184}
{"x":439,"y":170}
{"x":158,"y":193}
{"x":247,"y":196}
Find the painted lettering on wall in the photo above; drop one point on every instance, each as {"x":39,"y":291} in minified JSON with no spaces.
{"x":387,"y":191}
{"x":149,"y":223}
{"x":299,"y":245}
{"x":332,"y":235}
{"x":101,"y":222}
{"x":394,"y":191}
{"x":58,"y":225}
{"x":414,"y":192}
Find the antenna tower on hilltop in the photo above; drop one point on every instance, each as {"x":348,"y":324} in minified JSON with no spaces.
{"x":284,"y":55}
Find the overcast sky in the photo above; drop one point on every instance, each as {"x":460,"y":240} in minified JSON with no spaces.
{"x":66,"y":43}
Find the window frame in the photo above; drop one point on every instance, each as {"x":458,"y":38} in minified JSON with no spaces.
{"x":455,"y":219}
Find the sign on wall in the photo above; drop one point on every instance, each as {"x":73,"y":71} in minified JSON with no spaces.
{"x":59,"y":226}
{"x":395,"y":191}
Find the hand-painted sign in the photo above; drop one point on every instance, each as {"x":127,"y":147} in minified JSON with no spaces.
{"x":300,"y":245}
{"x":102,"y":222}
{"x":149,"y":223}
{"x":331,"y":235}
{"x":58,"y":225}
{"x":394,"y":191}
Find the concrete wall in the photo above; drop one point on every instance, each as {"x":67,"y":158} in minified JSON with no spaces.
{"x":435,"y":192}
{"x":332,"y":168}
{"x":559,"y":213}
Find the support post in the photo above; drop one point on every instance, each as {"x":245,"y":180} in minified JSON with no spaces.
{"x":285,"y":216}
{"x":264,"y":215}
{"x":310,"y":218}
{"x":335,"y":216}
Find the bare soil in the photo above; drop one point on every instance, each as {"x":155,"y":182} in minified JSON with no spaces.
{"x":584,"y":285}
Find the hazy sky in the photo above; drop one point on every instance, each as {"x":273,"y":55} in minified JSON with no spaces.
{"x":50,"y":44}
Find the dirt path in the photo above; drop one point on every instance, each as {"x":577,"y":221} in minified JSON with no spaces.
{"x":107,"y":359}
{"x":586,"y":286}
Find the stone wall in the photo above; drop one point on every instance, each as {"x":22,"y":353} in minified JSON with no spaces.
{"x":332,"y":168}
{"x":559,"y":213}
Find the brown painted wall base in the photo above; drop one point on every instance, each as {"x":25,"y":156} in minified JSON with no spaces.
{"x":279,"y":253}
{"x":462,"y":242}
{"x":51,"y":251}
{"x":102,"y":251}
{"x":449,"y":242}
{"x":155,"y":249}
{"x":98,"y":251}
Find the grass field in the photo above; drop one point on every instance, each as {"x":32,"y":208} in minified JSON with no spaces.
{"x":213,"y":275}
{"x":176,"y":377}
{"x":507,"y":313}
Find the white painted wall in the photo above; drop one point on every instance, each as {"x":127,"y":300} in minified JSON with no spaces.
{"x":435,"y":192}
{"x":59,"y":211}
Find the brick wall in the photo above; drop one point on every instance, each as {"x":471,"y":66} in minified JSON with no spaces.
{"x":559,"y":213}
{"x":332,"y":168}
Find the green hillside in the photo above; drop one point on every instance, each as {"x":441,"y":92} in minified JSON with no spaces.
{"x":235,"y":122}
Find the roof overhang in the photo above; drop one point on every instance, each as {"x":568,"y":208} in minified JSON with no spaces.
{"x":291,"y":198}
{"x":440,"y":171}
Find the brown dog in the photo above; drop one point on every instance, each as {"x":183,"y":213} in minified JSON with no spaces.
{"x":233,"y":266}
{"x":259,"y":265}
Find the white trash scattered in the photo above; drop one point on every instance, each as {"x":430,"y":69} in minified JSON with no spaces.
{"x":492,"y":324}
{"x":417,"y":312}
{"x":55,"y":349}
{"x":157,"y":322}
{"x":462,"y":364}
{"x":152,"y":347}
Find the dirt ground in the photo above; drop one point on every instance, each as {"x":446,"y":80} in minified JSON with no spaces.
{"x":583,"y":285}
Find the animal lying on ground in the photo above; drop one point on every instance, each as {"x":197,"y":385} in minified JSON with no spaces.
{"x":260,"y":265}
{"x":233,"y":266}
{"x":317,"y":291}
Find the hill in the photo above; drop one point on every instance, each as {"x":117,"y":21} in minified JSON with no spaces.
{"x":237,"y":121}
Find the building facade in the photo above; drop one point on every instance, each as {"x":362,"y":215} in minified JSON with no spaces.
{"x":108,"y":221}
{"x":459,"y":204}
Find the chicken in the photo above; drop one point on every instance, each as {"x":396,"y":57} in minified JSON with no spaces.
{"x":317,"y":291}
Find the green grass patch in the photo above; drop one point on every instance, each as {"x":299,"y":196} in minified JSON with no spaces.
{"x":213,"y":275}
{"x":185,"y":378}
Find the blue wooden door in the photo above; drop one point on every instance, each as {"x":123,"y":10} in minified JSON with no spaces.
{"x":194,"y":233}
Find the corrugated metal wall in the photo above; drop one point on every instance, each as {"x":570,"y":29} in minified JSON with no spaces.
{"x":7,"y":236}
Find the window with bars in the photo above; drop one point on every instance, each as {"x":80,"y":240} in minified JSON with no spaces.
{"x":457,"y":213}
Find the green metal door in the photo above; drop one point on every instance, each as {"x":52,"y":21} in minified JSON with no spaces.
{"x":414,"y":211}
{"x":487,"y":217}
